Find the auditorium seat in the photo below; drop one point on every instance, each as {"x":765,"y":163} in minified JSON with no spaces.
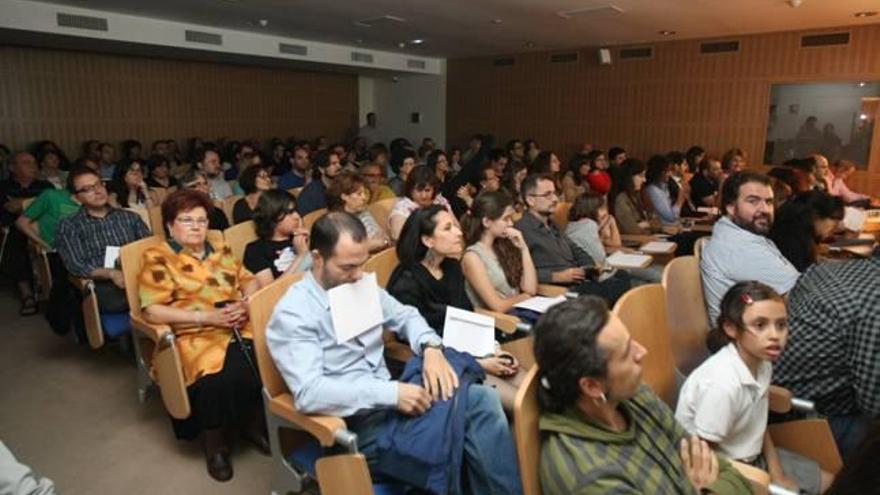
{"x":310,"y":218}
{"x":687,"y":317}
{"x":320,"y":431}
{"x":381,"y":210}
{"x":239,"y":236}
{"x":560,"y":216}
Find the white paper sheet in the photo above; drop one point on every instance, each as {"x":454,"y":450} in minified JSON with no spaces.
{"x":854,"y":218}
{"x":662,"y":247}
{"x":628,"y":260}
{"x":355,"y":308}
{"x":466,"y":331}
{"x":540,"y":304}
{"x":709,"y":210}
{"x":110,"y":257}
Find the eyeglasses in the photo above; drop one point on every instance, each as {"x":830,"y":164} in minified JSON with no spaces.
{"x":91,"y":188}
{"x":546,"y":195}
{"x":190,"y":221}
{"x":193,"y":185}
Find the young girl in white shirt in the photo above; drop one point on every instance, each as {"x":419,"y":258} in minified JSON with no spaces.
{"x":725,"y":400}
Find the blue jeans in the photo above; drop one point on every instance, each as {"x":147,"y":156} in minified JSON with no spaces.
{"x":848,"y":431}
{"x":489,"y":453}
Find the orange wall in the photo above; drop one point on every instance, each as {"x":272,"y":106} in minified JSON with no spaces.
{"x":672,"y":101}
{"x":71,"y":97}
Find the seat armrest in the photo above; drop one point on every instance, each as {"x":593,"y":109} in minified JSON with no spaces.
{"x":758,"y":478}
{"x":328,"y":430}
{"x":548,"y":290}
{"x":154,"y":331}
{"x":783,"y":401}
{"x":504,"y":322}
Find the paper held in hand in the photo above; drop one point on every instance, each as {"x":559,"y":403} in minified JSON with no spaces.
{"x":355,"y":308}
{"x":540,"y":304}
{"x":111,"y":255}
{"x":469,"y":332}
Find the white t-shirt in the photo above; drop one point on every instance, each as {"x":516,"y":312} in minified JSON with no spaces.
{"x":723,"y":403}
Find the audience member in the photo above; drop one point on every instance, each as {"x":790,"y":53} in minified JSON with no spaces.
{"x":159,"y":174}
{"x":278,"y":163}
{"x":201,"y":290}
{"x":84,"y":237}
{"x":823,"y":173}
{"x":373,"y":175}
{"x":22,"y":184}
{"x":574,"y":182}
{"x":516,"y":151}
{"x":832,"y":354}
{"x":298,"y":173}
{"x":629,"y":211}
{"x":402,"y":164}
{"x":283,"y":244}
{"x":804,"y":170}
{"x":705,"y":184}
{"x":546,"y":162}
{"x":557,"y":259}
{"x":497,"y":158}
{"x":695,"y":155}
{"x":455,"y":162}
{"x":131,"y":150}
{"x":733,"y":161}
{"x":208,"y":161}
{"x":314,"y":195}
{"x":422,"y":189}
{"x":802,"y":223}
{"x":254,"y":181}
{"x":195,"y":179}
{"x":739,"y":249}
{"x":840,"y":171}
{"x":497,"y":263}
{"x":658,"y":175}
{"x":616,"y":156}
{"x":783,"y":182}
{"x":677,"y":173}
{"x":725,"y":400}
{"x":50,"y":169}
{"x":348,"y":193}
{"x":128,"y":189}
{"x":351,"y":380}
{"x":370,"y":132}
{"x":598,"y":177}
{"x":41,"y":147}
{"x":532,"y":149}
{"x":107,"y":157}
{"x":603,"y":430}
{"x":430,"y":279}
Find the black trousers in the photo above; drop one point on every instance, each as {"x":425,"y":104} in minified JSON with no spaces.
{"x":227,"y":399}
{"x":16,"y":262}
{"x":610,"y":289}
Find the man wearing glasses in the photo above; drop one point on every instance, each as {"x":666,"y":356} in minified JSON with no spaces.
{"x":85,"y":240}
{"x":557,"y":259}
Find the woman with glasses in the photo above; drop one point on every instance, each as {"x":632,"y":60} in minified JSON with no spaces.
{"x":201,"y":290}
{"x":422,"y":189}
{"x":254,"y":181}
{"x":283,"y":244}
{"x":196,"y":180}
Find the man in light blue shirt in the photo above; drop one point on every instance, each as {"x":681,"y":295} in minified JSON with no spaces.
{"x":740,"y":249}
{"x":351,"y":380}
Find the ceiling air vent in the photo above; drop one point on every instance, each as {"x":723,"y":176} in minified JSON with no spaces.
{"x":719,"y":47}
{"x":293,"y":49}
{"x":415,"y":64}
{"x":601,"y":11}
{"x":364,"y":58}
{"x":203,"y":37}
{"x":82,"y":22}
{"x":503,"y":62}
{"x":826,"y":39}
{"x":389,"y":21}
{"x":561,"y":58}
{"x":635,"y":53}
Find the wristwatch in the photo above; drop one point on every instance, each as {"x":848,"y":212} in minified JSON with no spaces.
{"x":432,"y":345}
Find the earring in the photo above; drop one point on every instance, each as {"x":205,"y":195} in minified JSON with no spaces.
{"x":602,"y":399}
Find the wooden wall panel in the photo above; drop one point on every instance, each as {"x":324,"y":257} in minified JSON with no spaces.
{"x":674,"y":100}
{"x":70,"y":97}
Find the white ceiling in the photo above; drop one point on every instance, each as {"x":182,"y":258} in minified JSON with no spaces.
{"x":458,"y":28}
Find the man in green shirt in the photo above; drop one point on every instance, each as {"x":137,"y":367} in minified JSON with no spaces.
{"x":47,"y":209}
{"x":603,"y":430}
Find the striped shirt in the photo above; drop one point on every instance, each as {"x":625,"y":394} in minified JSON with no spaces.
{"x":579,"y":457}
{"x":82,"y":239}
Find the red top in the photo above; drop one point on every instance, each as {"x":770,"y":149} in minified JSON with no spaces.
{"x":599,"y":181}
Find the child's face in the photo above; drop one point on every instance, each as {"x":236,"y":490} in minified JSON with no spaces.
{"x":765,"y":330}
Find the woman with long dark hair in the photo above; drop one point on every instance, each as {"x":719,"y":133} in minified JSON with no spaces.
{"x":802,"y":223}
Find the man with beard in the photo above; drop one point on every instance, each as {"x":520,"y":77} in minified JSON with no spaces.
{"x":739,"y":249}
{"x":314,"y":195}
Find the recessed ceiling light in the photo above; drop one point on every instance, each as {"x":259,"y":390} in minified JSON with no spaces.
{"x":401,"y":45}
{"x":862,"y":84}
{"x":530,"y":44}
{"x":497,"y":21}
{"x":263,"y":22}
{"x":866,"y":13}
{"x":666,"y":32}
{"x":417,"y":41}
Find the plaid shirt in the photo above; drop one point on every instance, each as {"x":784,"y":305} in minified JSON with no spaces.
{"x":833,"y":354}
{"x":82,"y":239}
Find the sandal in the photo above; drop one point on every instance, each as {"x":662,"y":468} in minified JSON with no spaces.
{"x":28,"y":306}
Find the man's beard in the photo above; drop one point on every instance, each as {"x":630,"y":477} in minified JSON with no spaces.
{"x":753,"y":226}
